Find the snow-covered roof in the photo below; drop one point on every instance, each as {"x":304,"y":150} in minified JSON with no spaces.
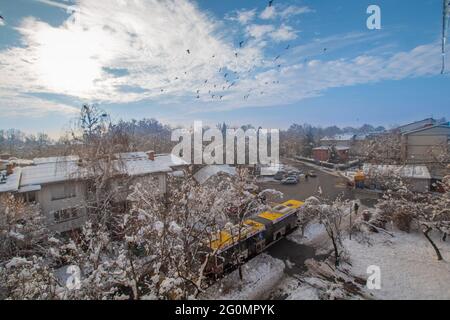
{"x":11,"y":183}
{"x":142,"y":166}
{"x":171,"y":159}
{"x":339,"y":137}
{"x":32,"y":187}
{"x":49,"y":172}
{"x":445,"y":125}
{"x":416,"y":125}
{"x":62,"y":159}
{"x":340,"y":148}
{"x":58,"y":169}
{"x":207,"y":172}
{"x":322,"y":148}
{"x":406,"y":171}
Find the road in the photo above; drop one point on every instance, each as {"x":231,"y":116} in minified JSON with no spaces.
{"x":332,"y":185}
{"x":292,"y":253}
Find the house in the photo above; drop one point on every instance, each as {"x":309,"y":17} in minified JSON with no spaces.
{"x":416,"y":125}
{"x":416,"y":177}
{"x":61,"y":185}
{"x":321,"y":153}
{"x":427,"y":146}
{"x":207,"y":172}
{"x":325,"y":153}
{"x":340,"y":140}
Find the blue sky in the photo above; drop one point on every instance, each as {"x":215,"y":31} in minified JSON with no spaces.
{"x":299,"y":61}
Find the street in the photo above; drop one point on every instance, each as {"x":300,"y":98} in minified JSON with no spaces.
{"x":331,"y":185}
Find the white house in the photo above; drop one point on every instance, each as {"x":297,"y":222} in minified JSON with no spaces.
{"x":60,"y":184}
{"x":427,"y":146}
{"x":417,"y":177}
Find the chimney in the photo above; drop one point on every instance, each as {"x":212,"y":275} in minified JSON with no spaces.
{"x":10,"y":168}
{"x":151,"y":155}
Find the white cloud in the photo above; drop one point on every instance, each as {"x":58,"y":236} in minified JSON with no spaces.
{"x":283,"y":33}
{"x":274,"y":12}
{"x":243,"y":16}
{"x":268,"y":13}
{"x":146,"y":43}
{"x":262,"y":31}
{"x":13,"y":105}
{"x":294,"y":10}
{"x":147,"y":39}
{"x":259,"y":30}
{"x":312,"y":78}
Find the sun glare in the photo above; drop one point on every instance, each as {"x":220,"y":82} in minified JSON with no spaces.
{"x":68,"y":61}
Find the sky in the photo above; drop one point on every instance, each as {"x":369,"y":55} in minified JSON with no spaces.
{"x":240,"y":62}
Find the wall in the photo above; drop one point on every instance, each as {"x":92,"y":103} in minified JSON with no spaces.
{"x":424,"y":146}
{"x":48,"y":206}
{"x":321,"y":155}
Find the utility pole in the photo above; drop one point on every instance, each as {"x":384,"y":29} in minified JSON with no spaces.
{"x":445,"y":23}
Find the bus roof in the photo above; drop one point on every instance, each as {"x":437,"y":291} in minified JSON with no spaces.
{"x":228,"y":238}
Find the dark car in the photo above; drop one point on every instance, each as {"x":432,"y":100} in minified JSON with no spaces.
{"x":279,"y":175}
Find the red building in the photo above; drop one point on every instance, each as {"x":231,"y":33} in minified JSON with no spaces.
{"x":321,"y":153}
{"x":325,"y":153}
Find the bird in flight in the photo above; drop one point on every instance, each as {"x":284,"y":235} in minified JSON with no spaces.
{"x":288,"y":46}
{"x":188,"y":51}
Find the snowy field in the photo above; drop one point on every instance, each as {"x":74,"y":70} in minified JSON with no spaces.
{"x":259,"y":275}
{"x":409,"y":268}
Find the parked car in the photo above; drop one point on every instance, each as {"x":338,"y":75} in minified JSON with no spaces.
{"x":289,"y":180}
{"x":312,"y":174}
{"x":279,"y":175}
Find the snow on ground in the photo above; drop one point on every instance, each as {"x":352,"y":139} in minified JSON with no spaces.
{"x":409,"y":268}
{"x":312,"y":231}
{"x":259,"y":276}
{"x":290,"y":288}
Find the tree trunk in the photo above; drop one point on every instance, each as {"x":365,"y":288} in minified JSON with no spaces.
{"x":436,"y":249}
{"x":351,"y":226}
{"x":336,"y":252}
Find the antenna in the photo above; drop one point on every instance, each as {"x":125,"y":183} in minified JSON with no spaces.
{"x":445,"y":23}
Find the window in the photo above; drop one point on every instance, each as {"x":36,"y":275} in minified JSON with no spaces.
{"x":66,"y":214}
{"x":64,"y":191}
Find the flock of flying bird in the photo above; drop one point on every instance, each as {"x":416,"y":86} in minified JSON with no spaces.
{"x":231,"y":78}
{"x":228,"y":80}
